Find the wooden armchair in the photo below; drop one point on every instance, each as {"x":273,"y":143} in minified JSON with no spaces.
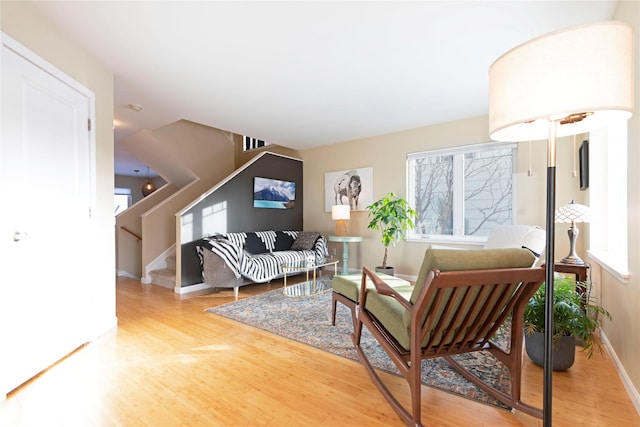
{"x":449,"y":313}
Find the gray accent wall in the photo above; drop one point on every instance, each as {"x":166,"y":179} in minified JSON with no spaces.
{"x":234,"y":201}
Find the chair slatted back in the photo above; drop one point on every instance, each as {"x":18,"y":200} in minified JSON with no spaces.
{"x":462,"y":311}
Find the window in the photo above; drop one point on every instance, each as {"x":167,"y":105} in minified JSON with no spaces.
{"x":461,"y":193}
{"x":608,"y":196}
{"x":122,"y":199}
{"x":252,"y":143}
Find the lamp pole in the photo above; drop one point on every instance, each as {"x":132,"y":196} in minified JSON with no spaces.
{"x":549,"y":265}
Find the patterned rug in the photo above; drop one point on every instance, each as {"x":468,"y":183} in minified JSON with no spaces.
{"x":309,"y":321}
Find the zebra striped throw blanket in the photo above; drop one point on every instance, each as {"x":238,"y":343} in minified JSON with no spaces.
{"x":260,"y":255}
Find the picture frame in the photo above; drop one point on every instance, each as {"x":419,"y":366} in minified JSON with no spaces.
{"x":353,"y":187}
{"x":583,"y":156}
{"x":271,"y":193}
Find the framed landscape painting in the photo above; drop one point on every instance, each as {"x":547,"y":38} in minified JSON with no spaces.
{"x":273,"y":193}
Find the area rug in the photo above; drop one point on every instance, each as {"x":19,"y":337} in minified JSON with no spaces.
{"x":308,"y":320}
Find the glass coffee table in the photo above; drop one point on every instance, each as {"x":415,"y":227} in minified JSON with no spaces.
{"x":313,"y":285}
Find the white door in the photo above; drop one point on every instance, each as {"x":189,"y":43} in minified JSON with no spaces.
{"x":45,"y":182}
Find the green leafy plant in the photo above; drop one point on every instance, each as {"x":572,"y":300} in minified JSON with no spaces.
{"x":575,"y":313}
{"x":393,"y":217}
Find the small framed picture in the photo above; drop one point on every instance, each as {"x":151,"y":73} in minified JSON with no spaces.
{"x":583,"y":154}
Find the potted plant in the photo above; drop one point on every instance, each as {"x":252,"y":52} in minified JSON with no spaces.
{"x":576,"y":316}
{"x":393,"y":217}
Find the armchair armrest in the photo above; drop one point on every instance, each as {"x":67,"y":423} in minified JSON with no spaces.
{"x":381,"y":287}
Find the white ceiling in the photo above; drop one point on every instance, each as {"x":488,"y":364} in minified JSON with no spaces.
{"x":300,"y":73}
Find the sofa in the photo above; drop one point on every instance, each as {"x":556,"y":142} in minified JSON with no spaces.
{"x":231,"y":260}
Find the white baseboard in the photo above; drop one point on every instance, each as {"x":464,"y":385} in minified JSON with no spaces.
{"x":122,"y":273}
{"x":626,"y":381}
{"x":191,"y":288}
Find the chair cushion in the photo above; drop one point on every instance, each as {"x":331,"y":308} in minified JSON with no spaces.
{"x":391,"y":313}
{"x":348,"y":285}
{"x":472,"y":259}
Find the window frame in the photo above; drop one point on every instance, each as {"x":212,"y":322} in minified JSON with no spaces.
{"x":608,"y":199}
{"x":250,"y":143}
{"x":122,"y":191}
{"x":458,"y":177}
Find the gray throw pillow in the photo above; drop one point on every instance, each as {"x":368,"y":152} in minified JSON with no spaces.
{"x":305,"y":241}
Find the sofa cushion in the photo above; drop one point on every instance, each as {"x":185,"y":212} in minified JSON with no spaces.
{"x":305,"y":241}
{"x":260,"y":242}
{"x":264,"y":267}
{"x":284,"y":240}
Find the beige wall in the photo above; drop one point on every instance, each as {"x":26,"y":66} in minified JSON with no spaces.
{"x":128,"y":247}
{"x":623,"y":299}
{"x":203,"y":151}
{"x":21,"y":22}
{"x":387,"y":155}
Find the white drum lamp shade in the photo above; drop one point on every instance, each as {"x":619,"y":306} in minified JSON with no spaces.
{"x":584,"y":69}
{"x":340,"y":214}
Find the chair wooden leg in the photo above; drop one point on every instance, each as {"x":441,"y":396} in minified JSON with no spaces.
{"x":334,"y":305}
{"x":410,"y":419}
{"x":335,"y":297}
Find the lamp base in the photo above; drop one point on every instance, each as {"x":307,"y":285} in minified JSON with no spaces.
{"x":574,"y":260}
{"x":341,"y":227}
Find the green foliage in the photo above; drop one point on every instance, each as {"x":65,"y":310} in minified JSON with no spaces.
{"x":393,"y":216}
{"x":574,"y":313}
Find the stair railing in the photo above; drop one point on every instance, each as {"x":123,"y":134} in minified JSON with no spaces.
{"x":131,"y":232}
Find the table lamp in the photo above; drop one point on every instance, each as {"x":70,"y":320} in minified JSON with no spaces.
{"x":340,"y":214}
{"x":573,"y":213}
{"x":563,"y":83}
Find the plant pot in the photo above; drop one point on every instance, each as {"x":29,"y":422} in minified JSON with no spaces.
{"x":386,"y":270}
{"x":563,"y":352}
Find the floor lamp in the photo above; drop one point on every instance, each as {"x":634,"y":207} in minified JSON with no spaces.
{"x":563,"y":83}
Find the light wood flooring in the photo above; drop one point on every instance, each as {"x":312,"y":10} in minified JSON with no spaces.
{"x":169,"y":363}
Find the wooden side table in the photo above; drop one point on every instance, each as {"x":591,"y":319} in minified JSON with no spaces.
{"x":580,"y":271}
{"x":345,"y":249}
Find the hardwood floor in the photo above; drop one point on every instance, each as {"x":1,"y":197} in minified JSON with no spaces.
{"x":169,"y":363}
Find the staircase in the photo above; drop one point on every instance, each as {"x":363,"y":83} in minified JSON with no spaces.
{"x":165,"y":276}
